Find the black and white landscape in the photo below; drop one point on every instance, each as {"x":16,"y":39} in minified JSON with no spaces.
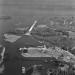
{"x":37,"y":37}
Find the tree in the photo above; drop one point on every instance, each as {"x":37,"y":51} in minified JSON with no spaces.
{"x":65,"y":43}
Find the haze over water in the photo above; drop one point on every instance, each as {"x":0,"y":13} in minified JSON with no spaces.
{"x":26,"y":11}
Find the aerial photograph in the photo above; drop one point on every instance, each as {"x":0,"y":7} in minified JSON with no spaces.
{"x":37,"y":37}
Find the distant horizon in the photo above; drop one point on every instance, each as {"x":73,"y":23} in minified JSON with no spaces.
{"x":26,"y":11}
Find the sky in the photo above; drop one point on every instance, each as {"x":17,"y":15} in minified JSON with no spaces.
{"x":0,"y":13}
{"x":38,"y":6}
